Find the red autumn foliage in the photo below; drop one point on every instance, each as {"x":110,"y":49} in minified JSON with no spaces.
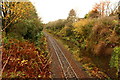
{"x":22,"y":59}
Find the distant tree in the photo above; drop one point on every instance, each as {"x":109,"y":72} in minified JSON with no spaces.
{"x":116,"y":9}
{"x":92,"y":14}
{"x":72,"y":13}
{"x":56,"y":25}
{"x":104,"y":8}
{"x":71,"y":17}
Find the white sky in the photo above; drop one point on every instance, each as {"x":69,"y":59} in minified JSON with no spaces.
{"x":51,"y":10}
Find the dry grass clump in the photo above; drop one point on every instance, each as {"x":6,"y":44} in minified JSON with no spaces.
{"x":103,"y":48}
{"x":113,"y":37}
{"x":108,"y":51}
{"x":104,"y":31}
{"x":99,"y":48}
{"x":96,"y":29}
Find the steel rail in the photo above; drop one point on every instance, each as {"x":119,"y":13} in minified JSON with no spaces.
{"x":58,"y":58}
{"x":66,"y":59}
{"x":54,"y":45}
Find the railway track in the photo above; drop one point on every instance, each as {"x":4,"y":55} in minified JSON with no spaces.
{"x":66,"y":67}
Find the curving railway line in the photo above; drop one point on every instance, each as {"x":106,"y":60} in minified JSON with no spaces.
{"x":64,"y":63}
{"x":67,"y":70}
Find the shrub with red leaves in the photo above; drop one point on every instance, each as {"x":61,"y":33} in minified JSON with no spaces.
{"x":23,"y":60}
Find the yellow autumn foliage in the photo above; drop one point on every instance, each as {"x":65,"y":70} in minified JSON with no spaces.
{"x":12,"y":11}
{"x":81,"y":25}
{"x":82,"y":22}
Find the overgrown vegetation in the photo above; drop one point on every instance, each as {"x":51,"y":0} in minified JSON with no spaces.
{"x":96,"y":38}
{"x":24,"y":49}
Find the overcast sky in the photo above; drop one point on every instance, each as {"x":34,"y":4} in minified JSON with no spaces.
{"x":50,"y":10}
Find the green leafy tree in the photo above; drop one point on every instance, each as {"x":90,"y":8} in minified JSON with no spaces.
{"x":20,"y":20}
{"x":115,"y":59}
